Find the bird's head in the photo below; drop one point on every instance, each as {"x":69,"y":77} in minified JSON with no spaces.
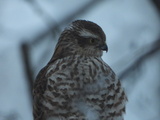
{"x":81,"y":37}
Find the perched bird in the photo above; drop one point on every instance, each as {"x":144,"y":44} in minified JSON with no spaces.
{"x":77,"y":84}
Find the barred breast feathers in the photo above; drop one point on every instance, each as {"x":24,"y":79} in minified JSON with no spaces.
{"x":96,"y":81}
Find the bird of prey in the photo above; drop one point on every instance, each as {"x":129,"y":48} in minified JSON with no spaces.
{"x":77,"y":84}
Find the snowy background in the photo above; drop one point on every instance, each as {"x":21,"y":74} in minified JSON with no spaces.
{"x":29,"y":30}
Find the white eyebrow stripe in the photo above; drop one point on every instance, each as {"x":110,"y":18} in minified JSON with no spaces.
{"x":85,"y":33}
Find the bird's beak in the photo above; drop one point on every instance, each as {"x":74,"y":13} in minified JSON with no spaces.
{"x":104,"y":47}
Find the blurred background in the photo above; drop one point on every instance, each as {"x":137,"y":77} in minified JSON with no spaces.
{"x":29,"y":30}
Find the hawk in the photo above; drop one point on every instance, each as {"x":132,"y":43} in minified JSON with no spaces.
{"x":77,"y":84}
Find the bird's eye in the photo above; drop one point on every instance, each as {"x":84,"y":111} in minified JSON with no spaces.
{"x":92,"y":40}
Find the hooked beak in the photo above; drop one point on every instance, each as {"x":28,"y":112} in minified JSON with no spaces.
{"x":104,"y":47}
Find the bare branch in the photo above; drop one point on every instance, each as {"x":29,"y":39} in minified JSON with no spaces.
{"x":54,"y":27}
{"x":27,"y":65}
{"x":141,"y":55}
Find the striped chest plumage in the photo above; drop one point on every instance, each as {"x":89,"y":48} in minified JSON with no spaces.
{"x":82,"y":87}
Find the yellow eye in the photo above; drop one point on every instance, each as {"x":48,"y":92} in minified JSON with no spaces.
{"x":92,"y":40}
